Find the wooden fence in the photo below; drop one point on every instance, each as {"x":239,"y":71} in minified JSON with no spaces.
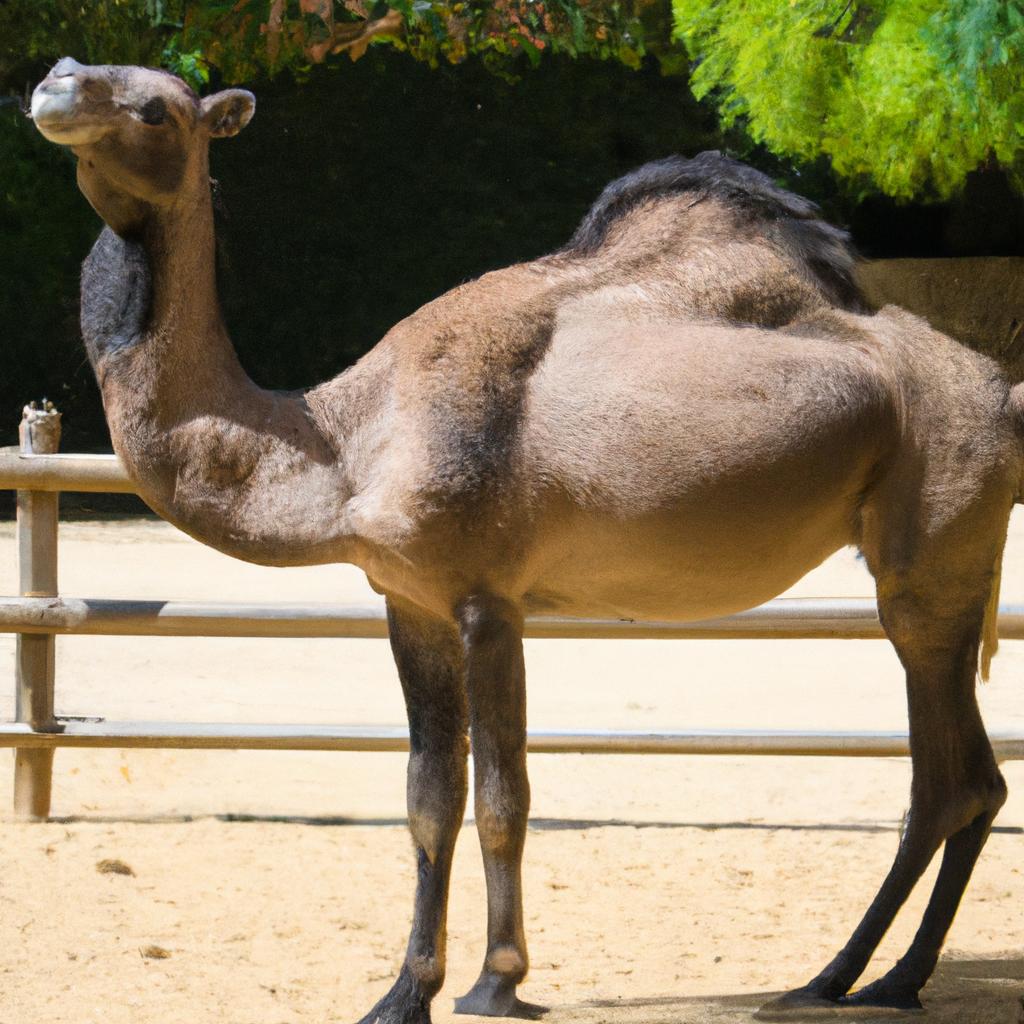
{"x":39,"y":614}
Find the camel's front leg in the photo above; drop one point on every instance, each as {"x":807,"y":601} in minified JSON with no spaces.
{"x":492,"y":634}
{"x":429,"y":659}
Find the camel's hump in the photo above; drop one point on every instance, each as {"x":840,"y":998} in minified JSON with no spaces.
{"x":789,"y":221}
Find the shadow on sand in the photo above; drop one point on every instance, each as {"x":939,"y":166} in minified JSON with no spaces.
{"x":962,"y":991}
{"x":536,"y":824}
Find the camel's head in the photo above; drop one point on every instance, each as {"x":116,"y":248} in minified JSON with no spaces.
{"x":141,"y":136}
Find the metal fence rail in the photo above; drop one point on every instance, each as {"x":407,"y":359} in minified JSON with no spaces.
{"x":794,"y":618}
{"x":390,"y":738}
{"x":40,"y":614}
{"x":785,"y":619}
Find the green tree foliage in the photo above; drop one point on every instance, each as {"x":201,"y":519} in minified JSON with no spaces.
{"x":241,"y":39}
{"x":251,"y":35}
{"x":97,"y":31}
{"x":910,"y":95}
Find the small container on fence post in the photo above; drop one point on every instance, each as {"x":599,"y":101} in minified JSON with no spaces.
{"x":39,"y":434}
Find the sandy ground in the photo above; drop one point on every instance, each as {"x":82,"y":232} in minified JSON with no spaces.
{"x":657,"y":888}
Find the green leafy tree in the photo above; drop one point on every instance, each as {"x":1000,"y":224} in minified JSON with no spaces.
{"x":243,"y":38}
{"x":907,"y":95}
{"x":97,"y":31}
{"x":248,"y":36}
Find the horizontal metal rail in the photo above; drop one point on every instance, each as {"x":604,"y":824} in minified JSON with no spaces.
{"x":231,"y":736}
{"x":784,"y":618}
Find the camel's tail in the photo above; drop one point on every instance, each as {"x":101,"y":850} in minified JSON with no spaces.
{"x":1016,"y":404}
{"x":1015,"y":407}
{"x":990,"y":624}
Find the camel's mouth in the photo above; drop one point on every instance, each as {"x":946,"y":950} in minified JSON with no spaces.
{"x":56,"y":110}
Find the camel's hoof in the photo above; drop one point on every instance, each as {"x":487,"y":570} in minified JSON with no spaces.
{"x":885,"y":998}
{"x":800,"y":1004}
{"x":404,"y":1004}
{"x":494,"y":997}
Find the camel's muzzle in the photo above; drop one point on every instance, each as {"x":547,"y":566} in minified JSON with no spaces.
{"x":64,"y":104}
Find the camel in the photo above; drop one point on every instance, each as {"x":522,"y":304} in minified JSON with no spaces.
{"x":674,"y":417}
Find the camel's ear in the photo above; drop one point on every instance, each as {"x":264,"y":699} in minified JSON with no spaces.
{"x":227,"y":113}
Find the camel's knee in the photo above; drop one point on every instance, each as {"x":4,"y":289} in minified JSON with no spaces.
{"x":501,"y":830}
{"x":431,"y":834}
{"x":436,"y":799}
{"x":434,"y":830}
{"x":502,"y":811}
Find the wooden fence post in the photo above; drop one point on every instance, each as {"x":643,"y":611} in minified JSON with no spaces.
{"x":34,"y":665}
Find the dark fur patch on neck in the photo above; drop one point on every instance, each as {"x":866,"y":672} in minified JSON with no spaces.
{"x":116,"y":290}
{"x":784,"y":219}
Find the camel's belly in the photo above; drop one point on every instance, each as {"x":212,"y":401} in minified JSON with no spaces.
{"x":683,"y":585}
{"x":685,"y":567}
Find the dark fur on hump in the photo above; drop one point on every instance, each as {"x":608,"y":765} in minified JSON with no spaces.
{"x":787,"y":220}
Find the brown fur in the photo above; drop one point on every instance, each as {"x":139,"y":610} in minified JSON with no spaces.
{"x":675,"y":420}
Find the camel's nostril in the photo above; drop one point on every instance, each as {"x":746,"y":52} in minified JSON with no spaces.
{"x":92,"y":81}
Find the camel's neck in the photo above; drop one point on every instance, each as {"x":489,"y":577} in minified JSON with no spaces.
{"x":249,"y":471}
{"x":153,"y":303}
{"x":180,"y":249}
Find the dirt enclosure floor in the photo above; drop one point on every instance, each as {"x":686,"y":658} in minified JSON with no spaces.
{"x":275,"y":888}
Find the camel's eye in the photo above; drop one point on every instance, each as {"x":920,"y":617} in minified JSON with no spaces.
{"x":154,"y":112}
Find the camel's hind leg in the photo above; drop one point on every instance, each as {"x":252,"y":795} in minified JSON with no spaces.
{"x":900,"y":986}
{"x":429,"y":659}
{"x":934,"y":619}
{"x":496,"y":686}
